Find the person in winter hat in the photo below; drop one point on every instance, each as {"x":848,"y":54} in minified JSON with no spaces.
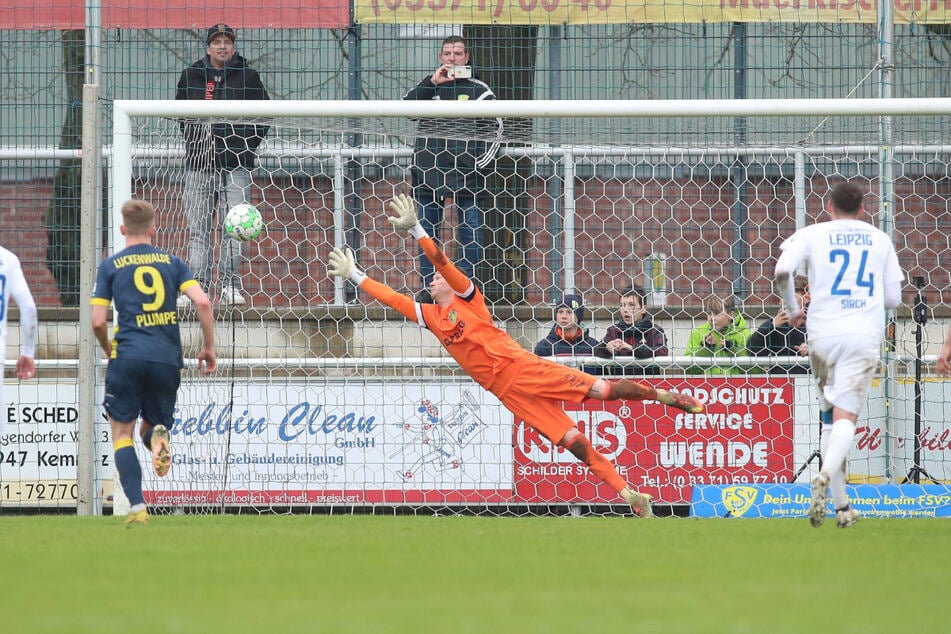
{"x":568,"y":336}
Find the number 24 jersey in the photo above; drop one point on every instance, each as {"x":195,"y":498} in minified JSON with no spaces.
{"x":849,"y":262}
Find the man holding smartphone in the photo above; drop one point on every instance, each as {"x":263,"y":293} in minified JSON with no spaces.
{"x":451,"y":157}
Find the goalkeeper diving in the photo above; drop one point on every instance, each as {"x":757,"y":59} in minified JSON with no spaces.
{"x":529,"y":386}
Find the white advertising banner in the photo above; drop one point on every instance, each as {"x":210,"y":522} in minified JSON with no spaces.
{"x":348,"y":442}
{"x":338,"y":442}
{"x":38,"y":449}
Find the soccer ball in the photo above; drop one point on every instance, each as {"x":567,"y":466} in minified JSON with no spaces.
{"x":244,"y":222}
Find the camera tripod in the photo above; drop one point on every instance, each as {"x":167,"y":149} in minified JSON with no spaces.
{"x":920,"y":314}
{"x":816,"y":455}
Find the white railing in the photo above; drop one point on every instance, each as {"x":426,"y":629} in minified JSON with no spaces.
{"x":443,"y":362}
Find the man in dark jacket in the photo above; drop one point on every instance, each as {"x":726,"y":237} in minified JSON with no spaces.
{"x":219,"y":157}
{"x":450,"y":156}
{"x":568,"y":336}
{"x":634,"y":335}
{"x":777,"y":338}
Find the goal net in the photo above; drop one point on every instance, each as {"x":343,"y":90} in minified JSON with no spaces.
{"x":326,"y":400}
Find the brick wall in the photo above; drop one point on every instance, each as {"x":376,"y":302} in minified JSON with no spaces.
{"x":22,"y":207}
{"x":618,"y":222}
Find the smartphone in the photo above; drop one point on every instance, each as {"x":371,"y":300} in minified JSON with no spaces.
{"x":461,"y":72}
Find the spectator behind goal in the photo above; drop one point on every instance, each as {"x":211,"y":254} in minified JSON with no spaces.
{"x":568,"y":336}
{"x":776,"y":337}
{"x":219,"y":158}
{"x":451,"y":156}
{"x":633,"y":335}
{"x":724,"y":335}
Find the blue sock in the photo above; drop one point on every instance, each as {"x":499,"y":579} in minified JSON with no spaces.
{"x":130,"y":472}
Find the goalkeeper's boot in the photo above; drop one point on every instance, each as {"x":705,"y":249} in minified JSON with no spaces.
{"x":820,"y":492}
{"x":640,"y":502}
{"x":681,"y":401}
{"x":846,"y":516}
{"x":161,"y":451}
{"x":137,"y":518}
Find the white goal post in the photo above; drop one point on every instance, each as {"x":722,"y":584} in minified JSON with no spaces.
{"x":326,"y":402}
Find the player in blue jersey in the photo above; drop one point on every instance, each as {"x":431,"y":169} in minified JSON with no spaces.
{"x":145,"y":356}
{"x":854,"y":276}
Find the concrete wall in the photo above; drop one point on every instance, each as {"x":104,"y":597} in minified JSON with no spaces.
{"x":348,"y":332}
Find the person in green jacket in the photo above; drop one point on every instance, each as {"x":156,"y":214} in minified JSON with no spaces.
{"x":724,"y":335}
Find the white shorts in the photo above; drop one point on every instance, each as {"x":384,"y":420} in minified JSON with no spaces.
{"x":844,"y":368}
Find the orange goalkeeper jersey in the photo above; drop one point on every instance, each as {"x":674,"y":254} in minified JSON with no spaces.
{"x":464,"y":328}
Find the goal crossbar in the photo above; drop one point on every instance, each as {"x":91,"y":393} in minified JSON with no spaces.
{"x":544,"y":108}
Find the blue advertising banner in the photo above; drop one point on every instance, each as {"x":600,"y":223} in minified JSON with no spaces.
{"x":792,"y":500}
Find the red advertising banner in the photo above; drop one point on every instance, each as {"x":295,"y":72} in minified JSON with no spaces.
{"x":745,"y":435}
{"x":177,"y":14}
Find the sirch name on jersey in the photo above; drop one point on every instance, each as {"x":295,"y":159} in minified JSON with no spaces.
{"x":851,"y":304}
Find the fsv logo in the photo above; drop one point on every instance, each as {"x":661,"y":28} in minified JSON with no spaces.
{"x":605,"y":430}
{"x":738,"y":499}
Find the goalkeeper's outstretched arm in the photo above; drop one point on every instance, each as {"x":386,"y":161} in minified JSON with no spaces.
{"x":341,"y":264}
{"x":406,"y":220}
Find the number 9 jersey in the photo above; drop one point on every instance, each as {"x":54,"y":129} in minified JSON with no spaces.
{"x":854,"y":276}
{"x":143,"y":282}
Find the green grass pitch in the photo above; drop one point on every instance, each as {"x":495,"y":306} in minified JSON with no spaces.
{"x":275,"y":574}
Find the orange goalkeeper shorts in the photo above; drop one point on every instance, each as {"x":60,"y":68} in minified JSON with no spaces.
{"x":537,"y":392}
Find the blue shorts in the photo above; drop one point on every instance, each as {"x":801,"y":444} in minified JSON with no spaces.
{"x":141,"y":388}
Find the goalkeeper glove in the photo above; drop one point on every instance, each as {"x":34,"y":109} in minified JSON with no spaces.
{"x":340,"y":264}
{"x":405,"y":218}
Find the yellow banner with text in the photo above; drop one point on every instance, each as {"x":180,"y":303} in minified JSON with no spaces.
{"x":579,"y":12}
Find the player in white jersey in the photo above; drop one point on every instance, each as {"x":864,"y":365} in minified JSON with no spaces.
{"x":943,"y":365}
{"x":13,"y":284}
{"x":854,"y":276}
